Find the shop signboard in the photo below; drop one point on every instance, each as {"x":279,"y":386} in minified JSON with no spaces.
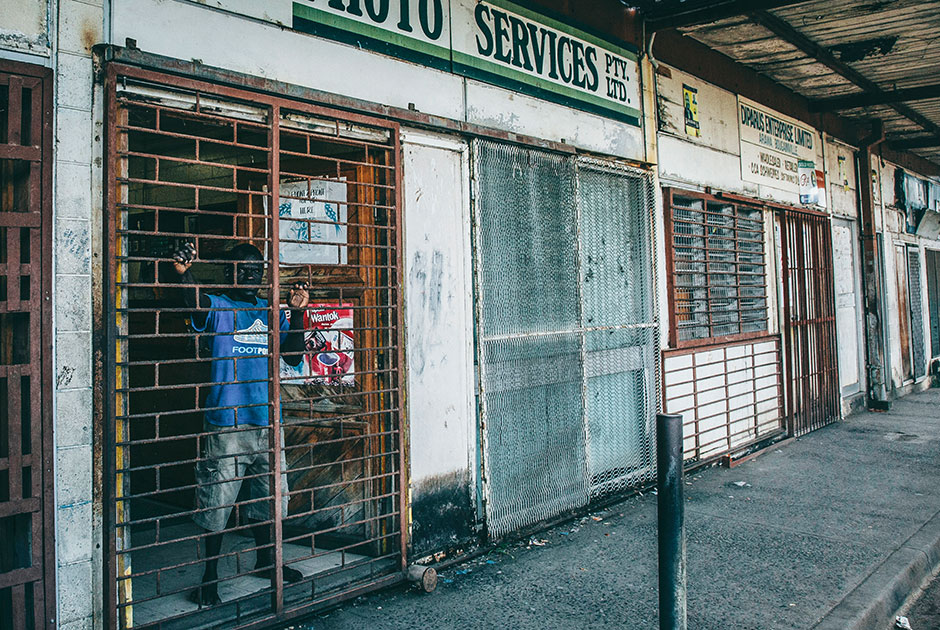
{"x":507,"y":44}
{"x":775,"y":149}
{"x":494,"y":41}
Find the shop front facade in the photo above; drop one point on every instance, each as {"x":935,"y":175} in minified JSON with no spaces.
{"x":772,"y":332}
{"x":481,"y":245}
{"x":463,"y":193}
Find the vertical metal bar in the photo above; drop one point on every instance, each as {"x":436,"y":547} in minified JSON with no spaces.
{"x":668,"y":230}
{"x":274,"y":354}
{"x":396,"y":280}
{"x":42,"y":130}
{"x":671,"y":523}
{"x":783,"y":223}
{"x":18,"y":601}
{"x":111,"y":586}
{"x":14,"y":109}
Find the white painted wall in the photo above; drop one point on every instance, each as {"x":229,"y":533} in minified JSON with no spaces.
{"x":849,"y":318}
{"x":77,"y":224}
{"x":842,"y":190}
{"x":438,"y":305}
{"x":714,"y":158}
{"x":262,"y":47}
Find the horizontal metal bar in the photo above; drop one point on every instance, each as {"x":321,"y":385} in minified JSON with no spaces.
{"x":385,"y":167}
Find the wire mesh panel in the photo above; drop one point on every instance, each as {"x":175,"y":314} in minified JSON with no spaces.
{"x":254,"y":340}
{"x":566,"y":331}
{"x":25,"y":435}
{"x":813,"y":394}
{"x":618,"y":317}
{"x":918,"y":342}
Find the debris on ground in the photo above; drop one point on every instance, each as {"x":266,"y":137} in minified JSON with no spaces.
{"x":538,"y":542}
{"x":902,"y":623}
{"x":742,"y":484}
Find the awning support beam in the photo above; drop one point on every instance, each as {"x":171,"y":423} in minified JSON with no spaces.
{"x":786,"y":32}
{"x":881,"y":97}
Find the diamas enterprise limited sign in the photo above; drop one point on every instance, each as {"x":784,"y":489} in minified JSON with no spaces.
{"x":772,"y":146}
{"x":496,"y":41}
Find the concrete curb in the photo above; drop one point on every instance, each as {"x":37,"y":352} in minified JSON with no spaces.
{"x":872,"y":604}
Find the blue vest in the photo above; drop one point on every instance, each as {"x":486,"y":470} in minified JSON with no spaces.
{"x":238,"y":390}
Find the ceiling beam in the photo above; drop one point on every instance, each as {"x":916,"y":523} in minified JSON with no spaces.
{"x":915,"y":143}
{"x":664,"y":14}
{"x":885,"y":97}
{"x":785,"y":31}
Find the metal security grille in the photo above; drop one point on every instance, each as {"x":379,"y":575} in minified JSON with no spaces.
{"x":308,"y":479}
{"x":27,"y":565}
{"x":809,"y":327}
{"x":716,"y":268}
{"x":566,"y":330}
{"x":918,"y":343}
{"x":933,"y":299}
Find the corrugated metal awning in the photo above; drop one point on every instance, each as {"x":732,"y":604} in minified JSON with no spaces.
{"x":884,"y":54}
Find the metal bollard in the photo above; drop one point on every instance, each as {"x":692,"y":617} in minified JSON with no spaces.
{"x":671,"y":516}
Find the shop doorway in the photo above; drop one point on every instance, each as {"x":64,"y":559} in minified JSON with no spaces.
{"x":910,"y":313}
{"x":809,"y":321}
{"x":236,"y":416}
{"x":27,"y":552}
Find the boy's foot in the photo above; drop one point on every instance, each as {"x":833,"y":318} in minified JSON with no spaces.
{"x":205,"y":595}
{"x":291,"y":576}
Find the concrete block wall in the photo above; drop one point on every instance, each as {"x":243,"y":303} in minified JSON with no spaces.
{"x":77,"y":24}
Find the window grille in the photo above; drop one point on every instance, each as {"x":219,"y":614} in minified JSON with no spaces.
{"x":27,"y":506}
{"x":717,"y":269}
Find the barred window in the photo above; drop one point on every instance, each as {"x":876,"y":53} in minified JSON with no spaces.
{"x":717,"y":267}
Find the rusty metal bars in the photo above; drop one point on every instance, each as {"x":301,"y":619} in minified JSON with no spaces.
{"x":27,"y":550}
{"x":809,"y":328}
{"x":716,"y":269}
{"x":308,"y":477}
{"x":730,"y":395}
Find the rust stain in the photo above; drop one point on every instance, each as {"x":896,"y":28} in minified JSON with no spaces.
{"x":89,"y":34}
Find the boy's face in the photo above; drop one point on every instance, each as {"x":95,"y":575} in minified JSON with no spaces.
{"x":248,"y":275}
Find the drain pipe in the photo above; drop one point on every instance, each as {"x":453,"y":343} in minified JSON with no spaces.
{"x":872,"y":276}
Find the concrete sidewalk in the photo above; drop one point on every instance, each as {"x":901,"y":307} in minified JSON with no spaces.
{"x":840,"y":524}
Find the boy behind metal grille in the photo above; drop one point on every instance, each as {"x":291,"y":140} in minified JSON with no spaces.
{"x":234,"y":322}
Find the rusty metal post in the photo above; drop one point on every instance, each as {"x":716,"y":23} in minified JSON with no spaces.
{"x":872,"y":273}
{"x":671,"y":517}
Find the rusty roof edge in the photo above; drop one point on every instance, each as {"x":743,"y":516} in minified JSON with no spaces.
{"x":111,"y":53}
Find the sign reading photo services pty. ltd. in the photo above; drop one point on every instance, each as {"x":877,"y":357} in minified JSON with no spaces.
{"x":494,"y":41}
{"x":774,"y":147}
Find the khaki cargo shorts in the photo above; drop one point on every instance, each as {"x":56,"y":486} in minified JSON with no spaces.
{"x":228,"y":454}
